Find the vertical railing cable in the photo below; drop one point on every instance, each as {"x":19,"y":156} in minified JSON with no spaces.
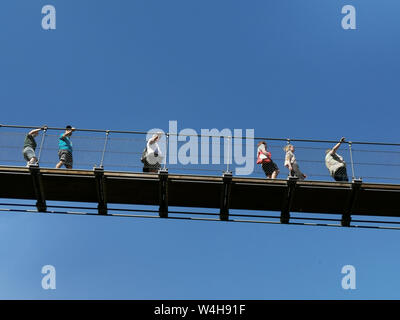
{"x":229,"y":153}
{"x":351,"y":160}
{"x":166,"y":150}
{"x":104,"y":149}
{"x":41,"y":144}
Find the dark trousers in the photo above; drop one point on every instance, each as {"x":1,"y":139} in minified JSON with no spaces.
{"x":341,"y":174}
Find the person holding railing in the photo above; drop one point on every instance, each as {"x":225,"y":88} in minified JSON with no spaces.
{"x":152,"y":155}
{"x":335,"y":163}
{"x":291,"y":163}
{"x":30,"y":146}
{"x":65,"y":148}
{"x":269,"y":167}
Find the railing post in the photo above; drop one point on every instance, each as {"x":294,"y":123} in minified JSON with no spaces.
{"x":101,"y":190}
{"x":225,"y":196}
{"x":38,"y":188}
{"x":104,"y":148}
{"x":41,"y":145}
{"x":288,"y":199}
{"x":163,"y":193}
{"x":352,"y":199}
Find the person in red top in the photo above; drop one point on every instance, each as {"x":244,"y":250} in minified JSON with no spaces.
{"x":270,"y":168}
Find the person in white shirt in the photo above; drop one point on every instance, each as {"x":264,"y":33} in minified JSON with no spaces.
{"x":335,"y":163}
{"x":153,"y":155}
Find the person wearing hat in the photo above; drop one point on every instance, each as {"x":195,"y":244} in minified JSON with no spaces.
{"x":153,"y":156}
{"x":30,"y":146}
{"x":65,"y":148}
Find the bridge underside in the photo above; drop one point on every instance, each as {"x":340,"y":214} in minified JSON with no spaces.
{"x":223,"y":193}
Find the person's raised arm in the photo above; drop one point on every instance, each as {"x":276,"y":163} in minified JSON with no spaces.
{"x":34,"y":131}
{"x":154,"y":138}
{"x":67,"y":133}
{"x":37,"y":130}
{"x":334,"y":149}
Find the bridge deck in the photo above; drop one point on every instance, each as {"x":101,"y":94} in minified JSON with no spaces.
{"x":199,"y":191}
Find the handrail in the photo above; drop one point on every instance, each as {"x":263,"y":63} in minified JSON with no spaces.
{"x":209,"y":136}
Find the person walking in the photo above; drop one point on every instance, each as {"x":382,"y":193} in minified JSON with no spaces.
{"x":152,"y":156}
{"x":269,"y":167}
{"x":335,"y":163}
{"x":30,"y":145}
{"x":65,"y":148}
{"x":291,"y":163}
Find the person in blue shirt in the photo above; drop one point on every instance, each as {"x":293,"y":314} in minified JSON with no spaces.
{"x":65,"y":148}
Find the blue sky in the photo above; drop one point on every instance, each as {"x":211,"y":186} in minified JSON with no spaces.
{"x":284,"y":68}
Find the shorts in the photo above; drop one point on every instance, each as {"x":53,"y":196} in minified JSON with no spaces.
{"x":65,"y":157}
{"x":29,"y":153}
{"x":269,"y":167}
{"x":341,"y":174}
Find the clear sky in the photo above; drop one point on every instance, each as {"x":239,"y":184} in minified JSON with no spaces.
{"x":283,"y":68}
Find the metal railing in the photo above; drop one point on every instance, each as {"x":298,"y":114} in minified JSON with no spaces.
{"x":117,"y":150}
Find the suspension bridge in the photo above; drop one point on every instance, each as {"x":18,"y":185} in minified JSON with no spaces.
{"x":368,"y":201}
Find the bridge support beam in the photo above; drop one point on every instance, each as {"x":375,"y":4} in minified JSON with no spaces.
{"x":225,"y":196}
{"x":163,"y":193}
{"x":346,"y":216}
{"x":101,"y":191}
{"x":287,"y":203}
{"x":38,"y":187}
